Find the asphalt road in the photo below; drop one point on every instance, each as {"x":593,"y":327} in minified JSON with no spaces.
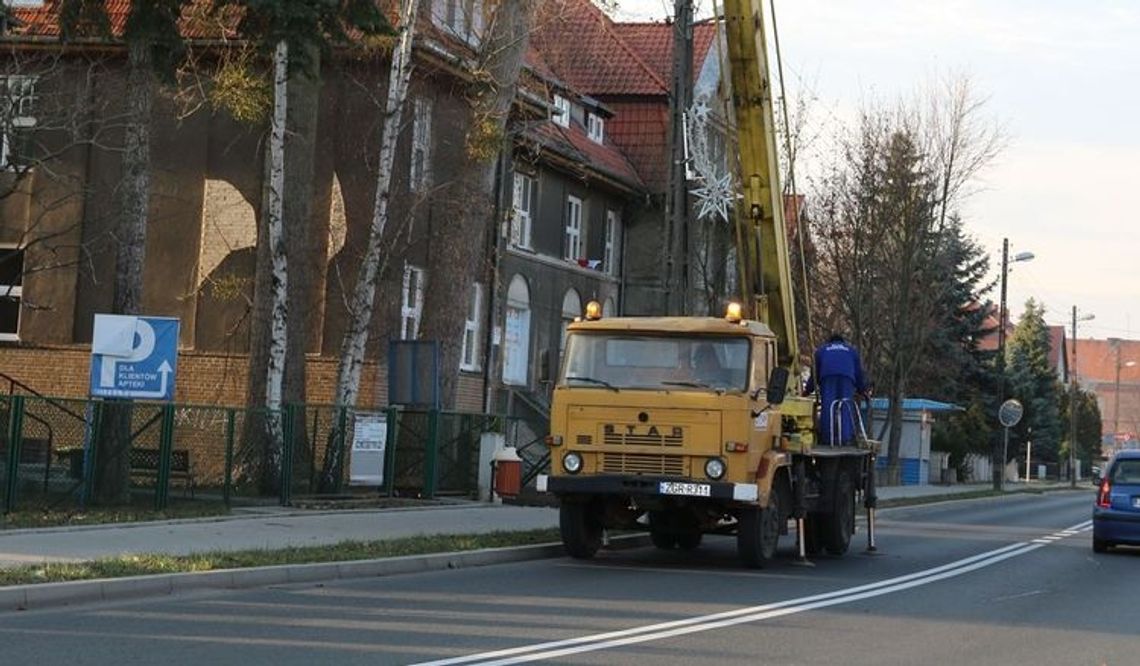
{"x":999,"y":581}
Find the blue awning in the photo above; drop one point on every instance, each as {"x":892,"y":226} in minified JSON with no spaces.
{"x":916,"y":405}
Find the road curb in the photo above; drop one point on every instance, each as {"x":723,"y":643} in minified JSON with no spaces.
{"x":46,"y":595}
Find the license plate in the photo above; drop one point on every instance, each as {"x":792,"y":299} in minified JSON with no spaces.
{"x":681,"y":488}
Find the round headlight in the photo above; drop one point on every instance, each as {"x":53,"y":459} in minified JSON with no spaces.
{"x":714,"y":468}
{"x":572,"y":463}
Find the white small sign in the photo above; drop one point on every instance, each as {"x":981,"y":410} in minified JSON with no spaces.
{"x":761,"y":421}
{"x":369,"y":441}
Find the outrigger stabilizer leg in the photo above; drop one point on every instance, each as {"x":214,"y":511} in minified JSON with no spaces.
{"x":799,"y":510}
{"x":871,"y":501}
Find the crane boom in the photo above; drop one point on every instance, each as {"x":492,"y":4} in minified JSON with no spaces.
{"x":761,"y":236}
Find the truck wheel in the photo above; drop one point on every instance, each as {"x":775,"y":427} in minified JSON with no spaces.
{"x":689,"y":540}
{"x":839,"y":526}
{"x":581,"y":530}
{"x":661,"y":530}
{"x":758,"y":533}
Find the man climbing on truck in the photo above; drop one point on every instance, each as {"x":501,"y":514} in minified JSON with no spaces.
{"x":838,"y":372}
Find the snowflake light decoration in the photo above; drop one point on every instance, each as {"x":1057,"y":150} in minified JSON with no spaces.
{"x":715,"y":196}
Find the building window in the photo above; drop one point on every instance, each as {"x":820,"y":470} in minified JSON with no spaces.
{"x":561,"y":114}
{"x":571,"y":310}
{"x":516,"y":335}
{"x":609,"y":308}
{"x":612,"y":253}
{"x":462,"y":18}
{"x":411,"y":302}
{"x":595,"y":128}
{"x":520,"y":220}
{"x":421,"y":145}
{"x":11,"y":291}
{"x":17,"y":100}
{"x":470,"y":360}
{"x":573,"y":236}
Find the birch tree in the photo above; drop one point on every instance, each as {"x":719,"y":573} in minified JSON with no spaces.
{"x":299,"y":33}
{"x":363,"y":297}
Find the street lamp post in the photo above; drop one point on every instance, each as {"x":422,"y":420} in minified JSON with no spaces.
{"x":1116,"y":391}
{"x":1073,"y":401}
{"x":998,"y":452}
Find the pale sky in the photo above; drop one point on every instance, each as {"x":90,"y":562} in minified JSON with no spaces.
{"x":1061,"y":76}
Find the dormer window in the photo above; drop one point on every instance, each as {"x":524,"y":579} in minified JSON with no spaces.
{"x":561,"y":114}
{"x":595,"y":128}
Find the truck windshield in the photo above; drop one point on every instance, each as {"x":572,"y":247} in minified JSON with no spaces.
{"x":618,"y":361}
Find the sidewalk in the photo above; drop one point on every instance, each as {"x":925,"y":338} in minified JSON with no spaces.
{"x":280,"y":528}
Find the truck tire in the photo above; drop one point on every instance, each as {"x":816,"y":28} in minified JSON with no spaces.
{"x":689,"y":540}
{"x":840,"y":523}
{"x":581,"y":530}
{"x":661,"y":530}
{"x":758,"y":533}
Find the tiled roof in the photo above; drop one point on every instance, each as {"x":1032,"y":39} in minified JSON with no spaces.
{"x":197,"y":20}
{"x":653,"y":42}
{"x":641,"y":130}
{"x":582,"y":47}
{"x":572,"y":142}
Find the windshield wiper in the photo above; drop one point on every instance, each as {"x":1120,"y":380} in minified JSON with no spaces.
{"x":689,"y":384}
{"x":593,"y":380}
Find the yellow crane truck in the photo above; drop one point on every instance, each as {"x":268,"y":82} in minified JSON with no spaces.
{"x":688,"y":425}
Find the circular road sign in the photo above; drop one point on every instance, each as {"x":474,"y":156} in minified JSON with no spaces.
{"x":1010,"y":413}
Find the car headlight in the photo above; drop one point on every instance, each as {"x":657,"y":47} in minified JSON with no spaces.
{"x":714,"y":468}
{"x":572,"y":463}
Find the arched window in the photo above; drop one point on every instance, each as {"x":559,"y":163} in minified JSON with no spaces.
{"x":609,"y":308}
{"x":571,"y":310}
{"x":516,"y":333}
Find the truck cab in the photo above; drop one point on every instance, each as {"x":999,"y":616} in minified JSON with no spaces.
{"x":666,"y":422}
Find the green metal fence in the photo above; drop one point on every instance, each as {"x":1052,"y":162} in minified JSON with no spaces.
{"x":55,"y":453}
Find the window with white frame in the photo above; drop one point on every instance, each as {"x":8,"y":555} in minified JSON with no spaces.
{"x":521,"y":213}
{"x":11,"y":291}
{"x":461,"y":18}
{"x":17,"y":101}
{"x":612,"y":253}
{"x":421,"y":145}
{"x":516,"y":333}
{"x":470,"y":360}
{"x":561,"y":113}
{"x":595,"y":128}
{"x":412,"y":302}
{"x":572,"y":240}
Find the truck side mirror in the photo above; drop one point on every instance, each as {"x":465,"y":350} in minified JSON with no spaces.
{"x":777,"y":386}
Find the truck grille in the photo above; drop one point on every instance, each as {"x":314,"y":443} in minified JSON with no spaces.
{"x":643,"y":463}
{"x":585,"y":440}
{"x":642,"y":439}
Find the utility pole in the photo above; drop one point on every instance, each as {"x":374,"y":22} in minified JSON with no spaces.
{"x":677,"y":209}
{"x":1073,"y":409}
{"x":998,"y":456}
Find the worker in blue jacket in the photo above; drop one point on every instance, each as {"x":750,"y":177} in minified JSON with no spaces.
{"x":838,"y":372}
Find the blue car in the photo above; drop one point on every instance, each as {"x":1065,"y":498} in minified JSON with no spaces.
{"x":1116,"y":515}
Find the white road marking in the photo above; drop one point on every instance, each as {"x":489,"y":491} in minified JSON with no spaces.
{"x":554,"y":649}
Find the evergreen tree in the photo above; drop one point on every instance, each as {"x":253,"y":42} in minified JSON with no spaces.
{"x":1034,"y":383}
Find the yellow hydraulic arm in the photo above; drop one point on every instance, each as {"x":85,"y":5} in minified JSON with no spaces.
{"x":761,"y":238}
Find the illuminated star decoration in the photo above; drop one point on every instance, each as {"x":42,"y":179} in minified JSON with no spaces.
{"x":715,"y":196}
{"x":715,"y":190}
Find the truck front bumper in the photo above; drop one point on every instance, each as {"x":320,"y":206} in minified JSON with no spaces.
{"x":641,"y":486}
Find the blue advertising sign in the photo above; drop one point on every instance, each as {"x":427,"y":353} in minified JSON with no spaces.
{"x":134,"y":357}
